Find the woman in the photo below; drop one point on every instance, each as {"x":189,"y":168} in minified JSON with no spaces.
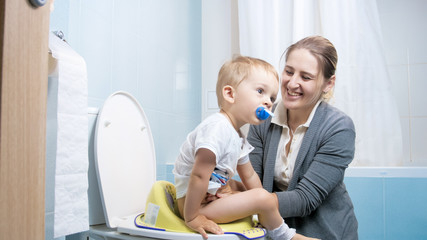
{"x":302,"y":152}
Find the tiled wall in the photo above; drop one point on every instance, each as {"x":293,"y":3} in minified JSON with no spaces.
{"x":151,"y":49}
{"x":389,"y":208}
{"x":405,"y":37}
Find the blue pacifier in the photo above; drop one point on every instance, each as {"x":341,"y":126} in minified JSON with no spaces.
{"x":262,"y":113}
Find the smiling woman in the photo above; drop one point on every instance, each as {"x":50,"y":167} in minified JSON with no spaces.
{"x":301,"y":153}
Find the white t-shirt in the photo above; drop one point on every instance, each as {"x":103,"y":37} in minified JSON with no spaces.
{"x":217,"y":134}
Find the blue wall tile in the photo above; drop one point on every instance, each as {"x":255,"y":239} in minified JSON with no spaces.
{"x":95,"y":45}
{"x":406,"y":209}
{"x":169,"y":174}
{"x":367,"y":196}
{"x":389,"y":208}
{"x":151,"y":49}
{"x":61,"y":16}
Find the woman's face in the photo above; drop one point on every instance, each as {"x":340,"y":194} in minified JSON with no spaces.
{"x":302,"y":81}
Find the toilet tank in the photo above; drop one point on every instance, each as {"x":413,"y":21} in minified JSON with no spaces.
{"x":96,"y":213}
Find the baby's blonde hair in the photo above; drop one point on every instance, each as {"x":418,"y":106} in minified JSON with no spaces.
{"x":233,"y":72}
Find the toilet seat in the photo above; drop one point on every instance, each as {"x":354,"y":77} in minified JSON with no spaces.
{"x":124,"y":157}
{"x":126,"y":169}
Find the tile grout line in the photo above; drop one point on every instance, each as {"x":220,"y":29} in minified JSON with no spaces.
{"x":409,"y":105}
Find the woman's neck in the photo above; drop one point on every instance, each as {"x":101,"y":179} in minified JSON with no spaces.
{"x":297,"y":117}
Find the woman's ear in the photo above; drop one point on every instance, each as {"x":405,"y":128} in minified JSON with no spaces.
{"x":329,"y":84}
{"x":228,"y":93}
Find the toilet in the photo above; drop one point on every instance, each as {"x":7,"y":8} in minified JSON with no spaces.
{"x":125,"y":165}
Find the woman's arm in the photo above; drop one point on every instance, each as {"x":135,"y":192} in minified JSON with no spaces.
{"x":324,"y":171}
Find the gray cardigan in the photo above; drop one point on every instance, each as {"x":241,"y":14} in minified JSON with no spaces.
{"x":316,"y":203}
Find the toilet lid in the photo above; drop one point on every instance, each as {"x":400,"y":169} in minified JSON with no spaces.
{"x":124,"y":157}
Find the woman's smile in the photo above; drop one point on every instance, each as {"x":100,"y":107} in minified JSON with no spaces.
{"x":295,"y":94}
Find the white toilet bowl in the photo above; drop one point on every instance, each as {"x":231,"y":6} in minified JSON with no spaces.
{"x":125,"y":164}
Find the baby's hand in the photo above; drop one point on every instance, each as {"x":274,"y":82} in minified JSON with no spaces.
{"x":202,"y":225}
{"x":209,"y":198}
{"x":222,"y":192}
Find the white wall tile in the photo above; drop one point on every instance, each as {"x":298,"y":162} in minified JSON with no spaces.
{"x":393,"y":19}
{"x":417,"y":50}
{"x":404,"y":37}
{"x":418,"y":87}
{"x":419,"y":141}
{"x":216,"y":44}
{"x":403,"y":30}
{"x":414,"y":12}
{"x":400,"y":87}
{"x":406,"y":140}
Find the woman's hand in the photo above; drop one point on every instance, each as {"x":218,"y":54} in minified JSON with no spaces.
{"x":202,"y":225}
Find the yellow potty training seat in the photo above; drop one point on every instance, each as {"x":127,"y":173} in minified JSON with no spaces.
{"x":161,"y":214}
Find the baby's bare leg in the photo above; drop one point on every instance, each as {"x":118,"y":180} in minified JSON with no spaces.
{"x":243,"y":204}
{"x":180,"y":202}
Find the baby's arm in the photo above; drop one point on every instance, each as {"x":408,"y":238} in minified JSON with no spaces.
{"x":248,"y":175}
{"x":203,"y":167}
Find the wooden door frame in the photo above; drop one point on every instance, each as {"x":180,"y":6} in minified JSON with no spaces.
{"x":24,"y":32}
